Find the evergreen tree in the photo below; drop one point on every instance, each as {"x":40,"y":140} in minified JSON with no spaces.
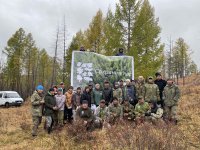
{"x":146,"y":46}
{"x":112,"y":35}
{"x":126,"y":13}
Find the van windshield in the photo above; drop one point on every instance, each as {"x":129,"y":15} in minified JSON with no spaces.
{"x":12,"y":95}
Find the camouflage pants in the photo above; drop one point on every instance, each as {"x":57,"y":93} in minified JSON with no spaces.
{"x":36,"y":122}
{"x":60,"y":117}
{"x":170,"y":112}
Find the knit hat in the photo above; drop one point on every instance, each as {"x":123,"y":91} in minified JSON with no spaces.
{"x":39,"y":87}
{"x":60,"y":89}
{"x":158,"y":74}
{"x":51,"y":89}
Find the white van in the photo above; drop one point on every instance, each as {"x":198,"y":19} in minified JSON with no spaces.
{"x":10,"y":98}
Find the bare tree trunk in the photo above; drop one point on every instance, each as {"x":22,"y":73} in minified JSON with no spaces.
{"x":64,"y":49}
{"x":53,"y":80}
{"x":170,"y":58}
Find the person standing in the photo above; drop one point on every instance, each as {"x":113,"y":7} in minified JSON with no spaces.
{"x":37,"y":104}
{"x":140,"y":87}
{"x":107,"y":93}
{"x":62,"y":85}
{"x":76,"y":101}
{"x":68,"y":105}
{"x":171,"y":95}
{"x":151,"y":91}
{"x":86,"y":96}
{"x":161,"y":85}
{"x":117,"y":92}
{"x":50,"y":110}
{"x":93,"y":105}
{"x":60,"y":103}
{"x":97,"y":95}
{"x":130,"y":93}
{"x":121,"y":86}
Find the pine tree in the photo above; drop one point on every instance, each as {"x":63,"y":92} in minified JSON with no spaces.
{"x":147,"y":48}
{"x":126,"y":12}
{"x":94,"y":33}
{"x":15,"y":49}
{"x":112,"y":35}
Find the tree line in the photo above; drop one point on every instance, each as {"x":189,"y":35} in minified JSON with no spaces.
{"x":132,"y":25}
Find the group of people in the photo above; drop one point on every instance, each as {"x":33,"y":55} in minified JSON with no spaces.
{"x":94,"y":106}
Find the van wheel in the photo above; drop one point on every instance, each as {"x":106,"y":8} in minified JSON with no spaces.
{"x":6,"y":104}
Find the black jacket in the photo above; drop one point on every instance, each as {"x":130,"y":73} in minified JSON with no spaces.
{"x":161,"y":85}
{"x":50,"y":102}
{"x":86,"y":96}
{"x":107,"y":95}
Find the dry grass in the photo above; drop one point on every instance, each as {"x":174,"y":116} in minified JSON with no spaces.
{"x":16,"y":123}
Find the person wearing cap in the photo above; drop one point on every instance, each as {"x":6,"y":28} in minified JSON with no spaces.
{"x":37,"y":105}
{"x":50,"y":110}
{"x":121,"y":52}
{"x":151,"y":91}
{"x":62,"y":85}
{"x":68,"y":105}
{"x":85,"y":115}
{"x":107,"y":92}
{"x":102,"y":111}
{"x":130,"y":93}
{"x":60,"y":103}
{"x":161,"y":85}
{"x":117,"y":92}
{"x":140,"y":86}
{"x":171,"y":96}
{"x":140,"y":109}
{"x":115,"y":112}
{"x":86,"y":96}
{"x":76,"y":101}
{"x":155,"y":113}
{"x":97,"y":94}
{"x":128,"y":110}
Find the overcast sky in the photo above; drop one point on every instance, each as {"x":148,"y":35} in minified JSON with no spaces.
{"x":177,"y":18}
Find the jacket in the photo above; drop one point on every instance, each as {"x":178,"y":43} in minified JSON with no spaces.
{"x":171,"y":95}
{"x":50,"y":102}
{"x":60,"y":101}
{"x":97,"y":96}
{"x":36,"y":105}
{"x":86,"y":96}
{"x":151,"y":93}
{"x":108,"y":95}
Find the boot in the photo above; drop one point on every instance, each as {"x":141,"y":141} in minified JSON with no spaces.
{"x":48,"y":130}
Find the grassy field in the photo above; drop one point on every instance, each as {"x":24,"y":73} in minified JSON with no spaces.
{"x":15,"y":130}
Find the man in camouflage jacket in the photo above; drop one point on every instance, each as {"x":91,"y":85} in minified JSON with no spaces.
{"x":151,"y":91}
{"x":171,"y":95}
{"x":37,"y":103}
